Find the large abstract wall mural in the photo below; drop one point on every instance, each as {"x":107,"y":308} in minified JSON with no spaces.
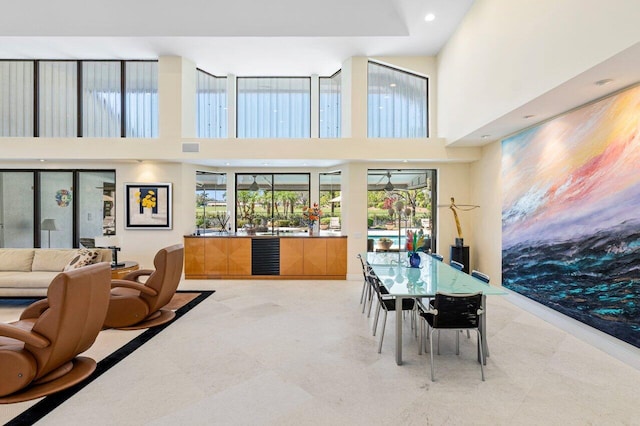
{"x":571,"y":214}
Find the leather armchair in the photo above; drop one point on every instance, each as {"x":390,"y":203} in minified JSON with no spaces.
{"x":38,"y":353}
{"x":137,"y":299}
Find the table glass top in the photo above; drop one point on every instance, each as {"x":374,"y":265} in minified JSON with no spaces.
{"x":432,"y":276}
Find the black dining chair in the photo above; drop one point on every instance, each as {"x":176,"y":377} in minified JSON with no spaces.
{"x":453,"y":312}
{"x":485,"y":279}
{"x":459,"y":266}
{"x":388,"y":304}
{"x":437,"y":256}
{"x":479,"y":275}
{"x":365,"y":285}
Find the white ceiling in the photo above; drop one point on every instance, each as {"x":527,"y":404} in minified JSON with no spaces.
{"x":241,"y":37}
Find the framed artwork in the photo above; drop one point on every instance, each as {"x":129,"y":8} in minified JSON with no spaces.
{"x":148,"y":205}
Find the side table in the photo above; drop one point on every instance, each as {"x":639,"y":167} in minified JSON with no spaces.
{"x":118,"y":272}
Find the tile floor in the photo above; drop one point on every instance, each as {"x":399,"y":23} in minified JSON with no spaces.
{"x":301,"y":353}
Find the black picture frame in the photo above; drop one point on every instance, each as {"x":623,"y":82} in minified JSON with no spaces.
{"x":148,"y":205}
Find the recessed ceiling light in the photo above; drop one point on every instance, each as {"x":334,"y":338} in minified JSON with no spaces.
{"x":485,"y":136}
{"x":429,"y":17}
{"x":392,"y":85}
{"x":405,"y":161}
{"x":526,"y":117}
{"x":42,"y":160}
{"x":603,"y":82}
{"x":227,"y":164}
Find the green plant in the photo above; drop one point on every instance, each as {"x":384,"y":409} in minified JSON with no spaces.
{"x":325,"y":221}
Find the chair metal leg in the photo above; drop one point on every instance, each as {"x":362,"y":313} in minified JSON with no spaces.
{"x":371,"y":290}
{"x":421,"y":336}
{"x":384,"y":323}
{"x":457,"y":343}
{"x":364,"y":289}
{"x":375,"y":321}
{"x":481,"y":354}
{"x":368,"y":296}
{"x":433,"y":378}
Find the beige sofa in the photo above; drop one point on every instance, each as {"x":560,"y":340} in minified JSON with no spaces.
{"x":27,"y":272}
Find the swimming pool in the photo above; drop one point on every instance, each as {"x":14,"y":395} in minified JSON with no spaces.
{"x":376,"y":234}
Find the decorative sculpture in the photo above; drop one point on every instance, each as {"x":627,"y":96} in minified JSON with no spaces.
{"x":454,"y":209}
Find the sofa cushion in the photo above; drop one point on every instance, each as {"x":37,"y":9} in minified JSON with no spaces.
{"x":27,"y":280}
{"x":83,"y":258}
{"x":16,"y":259}
{"x":53,"y":260}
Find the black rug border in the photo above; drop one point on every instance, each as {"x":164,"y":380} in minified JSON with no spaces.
{"x":51,"y":402}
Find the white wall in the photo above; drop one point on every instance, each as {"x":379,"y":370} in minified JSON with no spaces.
{"x":507,"y":53}
{"x":141,"y":245}
{"x":486,"y":191}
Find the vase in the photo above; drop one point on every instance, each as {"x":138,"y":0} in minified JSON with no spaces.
{"x":147,"y":212}
{"x":414,"y":259}
{"x":311,"y":230}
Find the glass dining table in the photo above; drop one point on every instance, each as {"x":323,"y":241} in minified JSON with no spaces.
{"x":403,"y":281}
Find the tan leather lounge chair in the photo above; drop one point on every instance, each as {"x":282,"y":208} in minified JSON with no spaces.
{"x":38,"y":353}
{"x":138,"y":304}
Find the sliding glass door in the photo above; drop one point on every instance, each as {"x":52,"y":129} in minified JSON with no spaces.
{"x":16,"y":209}
{"x":55,"y":208}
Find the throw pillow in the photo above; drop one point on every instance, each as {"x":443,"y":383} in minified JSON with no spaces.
{"x":84,"y":258}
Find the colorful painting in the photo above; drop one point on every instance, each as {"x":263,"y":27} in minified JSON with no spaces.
{"x":571,"y":214}
{"x":148,"y":205}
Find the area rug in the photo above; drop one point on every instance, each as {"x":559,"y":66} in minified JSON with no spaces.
{"x":182,"y":302}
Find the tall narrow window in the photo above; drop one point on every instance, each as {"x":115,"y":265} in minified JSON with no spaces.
{"x":397,"y":103}
{"x":211,"y":105}
{"x":58,"y":99}
{"x":212,"y":214}
{"x":274,"y":107}
{"x":141,"y":99}
{"x":96,"y":198}
{"x":101,"y":99}
{"x":330,"y":108}
{"x":330,"y":202}
{"x":16,"y":98}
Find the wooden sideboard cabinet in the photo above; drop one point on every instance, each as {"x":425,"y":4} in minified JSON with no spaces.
{"x":298,"y":257}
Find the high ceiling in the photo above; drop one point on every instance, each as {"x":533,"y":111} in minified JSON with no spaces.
{"x":241,"y":37}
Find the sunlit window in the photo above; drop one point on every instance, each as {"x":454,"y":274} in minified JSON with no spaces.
{"x":58,"y":98}
{"x":211,"y":106}
{"x":397,"y":103}
{"x":16,"y":98}
{"x":101,"y":99}
{"x":141,"y":99}
{"x":330,"y":106}
{"x":274,"y":107}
